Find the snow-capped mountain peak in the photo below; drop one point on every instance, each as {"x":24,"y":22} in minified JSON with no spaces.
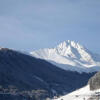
{"x":69,"y":43}
{"x":69,"y":53}
{"x":74,"y":50}
{"x":67,"y":48}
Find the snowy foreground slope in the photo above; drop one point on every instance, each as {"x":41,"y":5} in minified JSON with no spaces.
{"x":81,"y":94}
{"x":72,"y":56}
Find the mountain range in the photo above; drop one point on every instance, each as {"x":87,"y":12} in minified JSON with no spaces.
{"x":25,"y":77}
{"x":45,"y":73}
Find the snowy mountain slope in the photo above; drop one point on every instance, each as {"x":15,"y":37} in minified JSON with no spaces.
{"x":89,"y":92}
{"x":70,"y":56}
{"x":82,"y":94}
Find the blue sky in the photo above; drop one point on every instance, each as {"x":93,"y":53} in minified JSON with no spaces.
{"x":32,"y":24}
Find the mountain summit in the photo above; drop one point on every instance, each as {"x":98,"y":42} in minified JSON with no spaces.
{"x":74,"y":50}
{"x":70,"y":55}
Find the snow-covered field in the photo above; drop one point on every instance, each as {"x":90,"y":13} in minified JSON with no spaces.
{"x":81,"y":94}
